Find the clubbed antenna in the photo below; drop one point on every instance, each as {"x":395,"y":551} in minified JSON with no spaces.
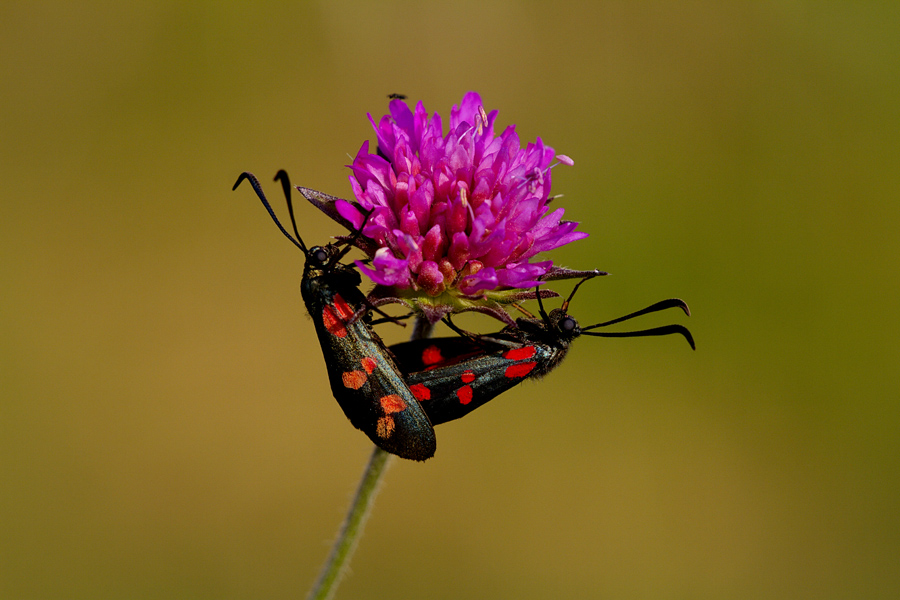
{"x":282,"y":176}
{"x":664,"y":330}
{"x":258,"y":189}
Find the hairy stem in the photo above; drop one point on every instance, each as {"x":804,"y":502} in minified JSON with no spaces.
{"x":352,"y":528}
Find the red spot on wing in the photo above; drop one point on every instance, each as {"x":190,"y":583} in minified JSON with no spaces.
{"x":334,"y":324}
{"x":464,"y":394}
{"x":432,"y":355}
{"x":468,"y":377}
{"x":354,"y":379}
{"x":335,"y":316}
{"x":420,"y":391}
{"x":392,"y":403}
{"x":343,"y":309}
{"x":519,"y":370}
{"x":385,"y":427}
{"x":522,"y":353}
{"x":369,"y":364}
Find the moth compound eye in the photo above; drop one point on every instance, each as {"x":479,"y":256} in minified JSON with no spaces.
{"x":319,"y":255}
{"x":568,"y":324}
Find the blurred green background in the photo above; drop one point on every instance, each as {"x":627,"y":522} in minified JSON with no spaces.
{"x":166,"y":427}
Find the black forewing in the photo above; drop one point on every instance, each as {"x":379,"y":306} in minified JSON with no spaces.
{"x":407,"y":432}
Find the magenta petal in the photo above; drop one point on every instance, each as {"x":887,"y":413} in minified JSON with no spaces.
{"x":523,"y":275}
{"x":459,"y":250}
{"x":430,"y":278}
{"x":433,"y":245}
{"x":349,"y":212}
{"x":485,"y":279}
{"x":420,"y":204}
{"x":386,"y":269}
{"x":466,"y":111}
{"x":408,"y":246}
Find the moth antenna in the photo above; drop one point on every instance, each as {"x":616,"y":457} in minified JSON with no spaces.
{"x":258,"y":189}
{"x":565,"y":305}
{"x":522,"y":310}
{"x":349,"y":241}
{"x":661,"y":305}
{"x":282,"y":176}
{"x":541,"y":311}
{"x":664,"y":330}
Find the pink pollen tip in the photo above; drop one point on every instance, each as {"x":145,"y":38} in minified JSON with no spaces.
{"x":565,"y":159}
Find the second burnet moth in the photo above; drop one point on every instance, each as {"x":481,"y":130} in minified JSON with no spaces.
{"x":364,"y":378}
{"x":452,"y":376}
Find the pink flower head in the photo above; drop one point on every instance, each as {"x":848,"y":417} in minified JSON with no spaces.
{"x":463,"y":212}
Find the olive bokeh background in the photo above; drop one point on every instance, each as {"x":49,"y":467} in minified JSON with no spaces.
{"x":166,"y":427}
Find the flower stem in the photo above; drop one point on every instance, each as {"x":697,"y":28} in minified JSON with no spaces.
{"x":345,"y":545}
{"x":351,"y":529}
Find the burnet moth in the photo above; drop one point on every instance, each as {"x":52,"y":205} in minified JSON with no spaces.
{"x":453,"y":376}
{"x":364,"y":378}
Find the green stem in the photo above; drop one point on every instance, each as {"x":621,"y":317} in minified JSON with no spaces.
{"x":345,"y":545}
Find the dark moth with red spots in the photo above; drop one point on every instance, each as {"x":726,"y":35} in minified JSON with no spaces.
{"x":364,"y":378}
{"x":453,"y":376}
